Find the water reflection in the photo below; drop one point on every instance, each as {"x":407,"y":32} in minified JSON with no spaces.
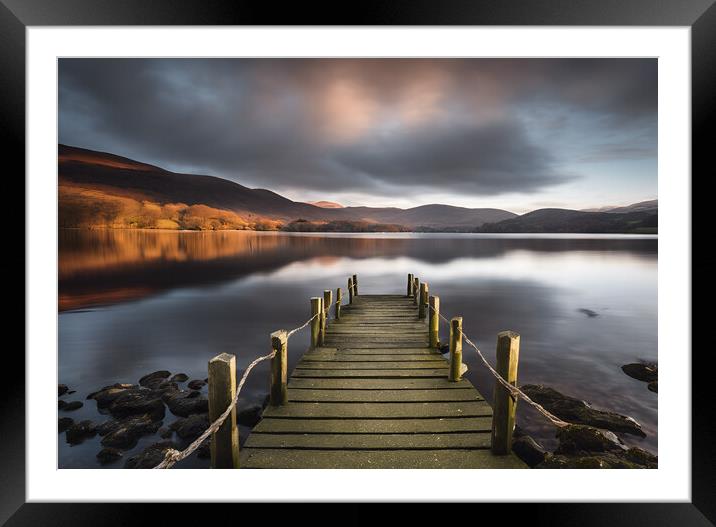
{"x":107,"y":266}
{"x":194,"y":295}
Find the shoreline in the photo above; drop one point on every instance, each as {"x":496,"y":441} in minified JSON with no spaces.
{"x":279,"y":231}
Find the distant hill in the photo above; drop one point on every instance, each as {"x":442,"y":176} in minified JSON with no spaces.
{"x":326,"y":204}
{"x":642,"y":206}
{"x":102,"y":189}
{"x":575,"y":221}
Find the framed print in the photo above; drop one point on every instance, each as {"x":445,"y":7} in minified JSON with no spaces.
{"x":417,"y":254}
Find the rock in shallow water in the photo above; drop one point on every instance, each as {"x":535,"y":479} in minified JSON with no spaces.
{"x":156,"y":375}
{"x":179,"y":377}
{"x":641,"y":371}
{"x":579,"y":412}
{"x":138,"y":401}
{"x":557,"y":461}
{"x":108,"y":455}
{"x":61,"y":404}
{"x":653,"y":386}
{"x":126,"y":432}
{"x":603,"y":460}
{"x":61,"y":389}
{"x":583,"y":446}
{"x":105,"y":396}
{"x":63,"y":423}
{"x":642,"y":457}
{"x":528,"y":450}
{"x":588,"y":312}
{"x":196,"y":384}
{"x":191,"y":427}
{"x":151,"y":456}
{"x":580,"y":439}
{"x":78,"y":432}
{"x":183,"y":403}
{"x":73,"y":405}
{"x":165,"y":433}
{"x":168,"y":386}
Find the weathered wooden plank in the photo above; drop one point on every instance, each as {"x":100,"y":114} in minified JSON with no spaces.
{"x":377,"y":326}
{"x":440,"y":383}
{"x":375,"y":345}
{"x":374,"y":426}
{"x":382,"y":328}
{"x":378,"y":354}
{"x":368,"y":332}
{"x":383,"y":351}
{"x":408,"y":314}
{"x":385,"y":357}
{"x":367,"y":310}
{"x":388,"y":308}
{"x":380,"y":410}
{"x":378,"y":374}
{"x":382,"y":396}
{"x":468,"y":440}
{"x":391,"y":459}
{"x":400,"y":339}
{"x":373,"y":317}
{"x":404,"y":327}
{"x":359,"y":343}
{"x":369,"y":365}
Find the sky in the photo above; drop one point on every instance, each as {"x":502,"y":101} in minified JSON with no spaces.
{"x":516,"y":134}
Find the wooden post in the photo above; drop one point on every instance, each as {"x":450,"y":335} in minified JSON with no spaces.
{"x":279,"y":368}
{"x":339,"y":295}
{"x":410,"y":284}
{"x":327,"y":299}
{"x":434,"y":322}
{"x":455,"y":372}
{"x":350,"y":290}
{"x":503,"y":405}
{"x":416,"y":290}
{"x":316,"y":322}
{"x":423,"y":300}
{"x":355,"y":284}
{"x":222,"y":390}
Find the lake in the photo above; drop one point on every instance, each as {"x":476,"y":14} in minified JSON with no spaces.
{"x":132,"y":302}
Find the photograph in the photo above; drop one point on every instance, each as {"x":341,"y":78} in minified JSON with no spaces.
{"x":410,"y":253}
{"x":357,"y":262}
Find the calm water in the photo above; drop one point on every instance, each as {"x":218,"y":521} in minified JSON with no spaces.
{"x":132,"y":302}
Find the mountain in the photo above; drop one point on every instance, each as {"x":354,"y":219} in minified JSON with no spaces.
{"x":103,"y":189}
{"x":576,"y":221}
{"x":124,"y":177}
{"x":642,"y":206}
{"x":326,"y":204}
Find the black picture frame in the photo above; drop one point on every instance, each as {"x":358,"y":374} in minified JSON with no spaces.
{"x":699,"y":15}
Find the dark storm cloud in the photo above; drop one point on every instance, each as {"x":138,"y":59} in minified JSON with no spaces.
{"x":374,"y":126}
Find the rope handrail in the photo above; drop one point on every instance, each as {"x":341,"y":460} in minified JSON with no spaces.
{"x":172,"y":456}
{"x":514,"y":390}
{"x":299,"y":328}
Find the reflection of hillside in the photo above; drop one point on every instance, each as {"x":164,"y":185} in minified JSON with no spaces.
{"x":92,"y":250}
{"x":108,"y":266}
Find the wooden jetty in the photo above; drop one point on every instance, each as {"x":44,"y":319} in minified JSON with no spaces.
{"x":373,"y":391}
